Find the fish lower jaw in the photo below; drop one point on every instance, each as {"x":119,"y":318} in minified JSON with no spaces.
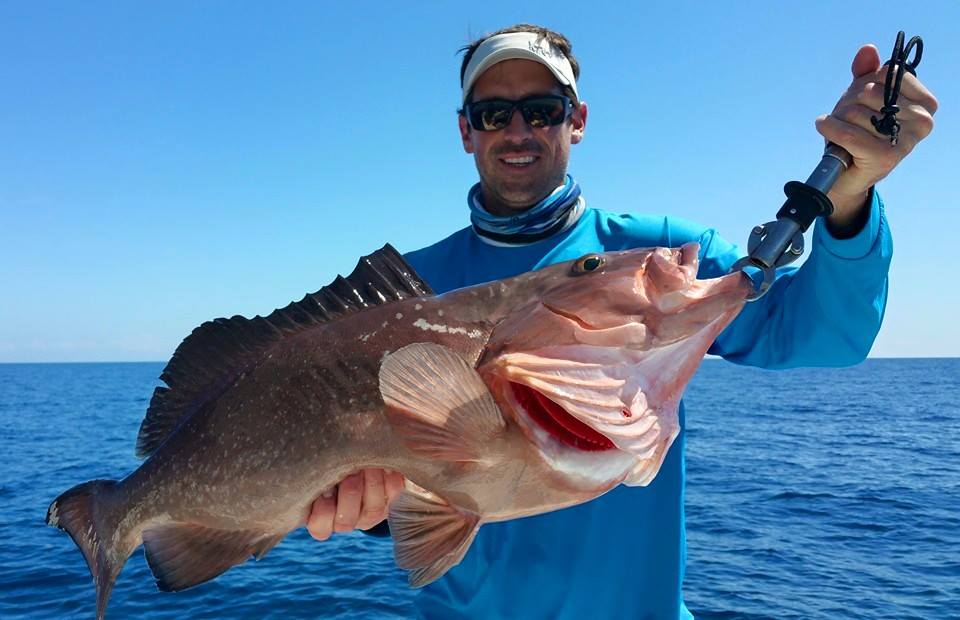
{"x":588,"y":460}
{"x":562,"y":426}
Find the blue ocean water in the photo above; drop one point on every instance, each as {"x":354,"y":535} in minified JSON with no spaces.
{"x":813,"y":493}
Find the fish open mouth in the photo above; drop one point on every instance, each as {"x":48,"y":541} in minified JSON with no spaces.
{"x":556,"y":421}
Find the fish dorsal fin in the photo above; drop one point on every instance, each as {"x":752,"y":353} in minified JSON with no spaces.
{"x":438,"y":404}
{"x":429,"y":535}
{"x":218,"y":351}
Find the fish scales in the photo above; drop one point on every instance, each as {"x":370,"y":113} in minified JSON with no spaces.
{"x":495,"y":402}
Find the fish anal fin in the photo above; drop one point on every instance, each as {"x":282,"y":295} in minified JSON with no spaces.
{"x":266,"y":544}
{"x":438,"y":403}
{"x":182,"y":555}
{"x":430,"y":536}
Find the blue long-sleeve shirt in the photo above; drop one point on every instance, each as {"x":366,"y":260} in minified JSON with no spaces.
{"x":622,"y":555}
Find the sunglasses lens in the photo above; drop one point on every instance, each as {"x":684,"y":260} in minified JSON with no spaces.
{"x":490,"y":115}
{"x":544,"y":112}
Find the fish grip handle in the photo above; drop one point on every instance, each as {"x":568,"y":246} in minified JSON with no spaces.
{"x":779,"y":243}
{"x":804,"y":204}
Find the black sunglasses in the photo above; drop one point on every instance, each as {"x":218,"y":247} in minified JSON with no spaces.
{"x":538,"y":111}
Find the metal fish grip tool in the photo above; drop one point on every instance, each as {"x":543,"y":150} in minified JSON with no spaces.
{"x":780,"y":242}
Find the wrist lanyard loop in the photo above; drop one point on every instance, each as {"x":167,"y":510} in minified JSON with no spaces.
{"x":898,"y":63}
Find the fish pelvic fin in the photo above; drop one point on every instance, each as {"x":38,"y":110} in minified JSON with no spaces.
{"x":88,"y":513}
{"x":215,"y":354}
{"x":429,"y":535}
{"x":438,"y":404}
{"x":182,"y":555}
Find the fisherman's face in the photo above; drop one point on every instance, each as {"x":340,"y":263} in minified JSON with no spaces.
{"x":514,"y":187}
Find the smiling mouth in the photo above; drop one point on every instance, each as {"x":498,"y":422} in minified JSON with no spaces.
{"x":561,"y":425}
{"x":519,"y":162}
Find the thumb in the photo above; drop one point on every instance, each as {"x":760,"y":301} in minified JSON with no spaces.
{"x":866,"y":61}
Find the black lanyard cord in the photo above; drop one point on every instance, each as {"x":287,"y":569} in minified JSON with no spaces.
{"x":898,"y":63}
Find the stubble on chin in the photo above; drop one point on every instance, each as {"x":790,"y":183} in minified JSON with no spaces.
{"x":503,"y":196}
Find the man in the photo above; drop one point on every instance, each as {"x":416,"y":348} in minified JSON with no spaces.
{"x":622,"y":555}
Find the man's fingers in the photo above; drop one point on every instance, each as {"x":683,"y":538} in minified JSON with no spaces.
{"x":360,"y":501}
{"x":913,"y":118}
{"x":393,"y":482}
{"x":858,"y":141}
{"x":858,"y":115}
{"x":871,"y":96}
{"x":374,"y":504}
{"x":911,"y":87}
{"x":320,"y":521}
{"x":349,"y":498}
{"x":866,"y":60}
{"x":916,"y":122}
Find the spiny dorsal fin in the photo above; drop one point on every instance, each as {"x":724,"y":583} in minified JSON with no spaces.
{"x":215,"y":353}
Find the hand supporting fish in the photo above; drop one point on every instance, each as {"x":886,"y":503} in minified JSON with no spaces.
{"x":497,"y":401}
{"x":359,"y":502}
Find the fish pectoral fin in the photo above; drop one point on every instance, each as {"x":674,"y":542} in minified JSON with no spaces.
{"x":430,"y":536}
{"x":438,"y":403}
{"x":182,"y":555}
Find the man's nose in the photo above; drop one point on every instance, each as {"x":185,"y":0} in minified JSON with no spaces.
{"x":517,"y":129}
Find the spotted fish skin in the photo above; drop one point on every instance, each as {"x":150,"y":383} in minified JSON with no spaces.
{"x":497,"y":401}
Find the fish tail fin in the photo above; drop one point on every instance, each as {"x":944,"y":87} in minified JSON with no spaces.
{"x":87,"y":512}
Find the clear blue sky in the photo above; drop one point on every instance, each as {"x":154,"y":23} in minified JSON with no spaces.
{"x":162,"y":164}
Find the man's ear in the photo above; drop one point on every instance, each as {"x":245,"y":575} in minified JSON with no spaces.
{"x":579,"y":121}
{"x":465,"y":133}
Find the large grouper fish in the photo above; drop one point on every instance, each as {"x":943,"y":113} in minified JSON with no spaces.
{"x":496,"y":401}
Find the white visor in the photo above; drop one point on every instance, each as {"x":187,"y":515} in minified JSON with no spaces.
{"x":518,"y":45}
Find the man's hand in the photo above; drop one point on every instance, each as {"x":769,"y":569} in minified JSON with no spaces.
{"x":873,"y":158}
{"x":360,"y":501}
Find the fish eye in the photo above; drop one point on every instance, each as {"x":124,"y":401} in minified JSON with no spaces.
{"x":588,"y":263}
